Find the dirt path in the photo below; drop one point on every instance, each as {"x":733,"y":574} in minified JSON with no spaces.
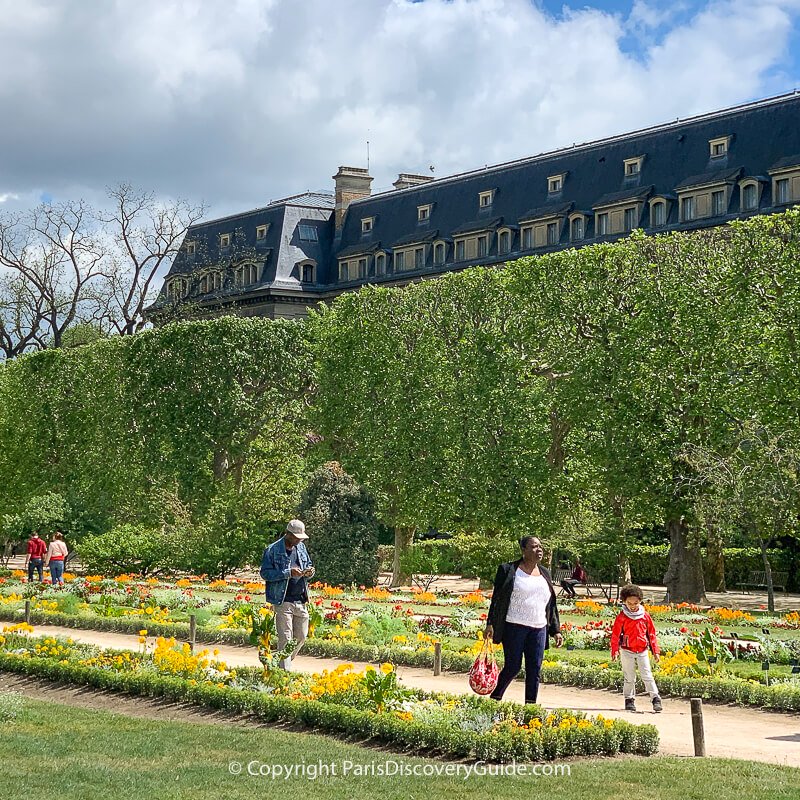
{"x":731,"y":732}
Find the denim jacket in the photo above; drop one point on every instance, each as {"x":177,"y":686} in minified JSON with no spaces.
{"x":275,"y":568}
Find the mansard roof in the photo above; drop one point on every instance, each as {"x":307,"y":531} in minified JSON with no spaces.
{"x":674,"y":154}
{"x":280,"y":250}
{"x":672,"y":157}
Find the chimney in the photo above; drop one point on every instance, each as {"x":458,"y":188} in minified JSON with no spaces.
{"x":352,"y":183}
{"x":406,"y":180}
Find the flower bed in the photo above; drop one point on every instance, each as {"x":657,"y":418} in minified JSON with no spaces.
{"x":369,"y":705}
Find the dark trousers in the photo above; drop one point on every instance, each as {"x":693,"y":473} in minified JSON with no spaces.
{"x":519,"y":641}
{"x":35,"y":564}
{"x":568,"y":585}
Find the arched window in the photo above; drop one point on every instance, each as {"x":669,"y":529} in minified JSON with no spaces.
{"x":577,"y":228}
{"x":658,"y":214}
{"x":306,"y":272}
{"x":439,"y":253}
{"x":380,"y":264}
{"x":750,"y":196}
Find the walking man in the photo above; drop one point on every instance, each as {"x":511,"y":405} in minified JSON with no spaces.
{"x":37,"y":547}
{"x":286,"y":568}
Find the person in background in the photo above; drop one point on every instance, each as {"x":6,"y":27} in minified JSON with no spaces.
{"x":37,"y":547}
{"x":577,"y":577}
{"x":55,"y":558}
{"x":632,"y":636}
{"x":521,"y":616}
{"x":286,"y":567}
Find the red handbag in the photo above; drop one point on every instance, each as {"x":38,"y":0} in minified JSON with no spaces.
{"x":484,"y":672}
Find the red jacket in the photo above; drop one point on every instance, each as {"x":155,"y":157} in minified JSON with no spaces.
{"x":633,"y":634}
{"x":37,"y":548}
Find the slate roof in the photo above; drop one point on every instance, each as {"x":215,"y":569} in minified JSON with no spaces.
{"x":550,"y":210}
{"x":705,"y":178}
{"x":674,"y":153}
{"x":787,"y":161}
{"x":675,"y":156}
{"x":637,"y":193}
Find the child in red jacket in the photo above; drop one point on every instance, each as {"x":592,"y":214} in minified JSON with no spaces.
{"x":632,"y":636}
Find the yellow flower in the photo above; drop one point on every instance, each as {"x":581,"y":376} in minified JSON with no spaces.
{"x":386,"y":668}
{"x":143,"y":632}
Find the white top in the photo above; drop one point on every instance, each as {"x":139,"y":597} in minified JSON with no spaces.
{"x":529,"y":600}
{"x":57,"y":548}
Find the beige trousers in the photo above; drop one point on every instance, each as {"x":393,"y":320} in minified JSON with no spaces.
{"x":291,"y":622}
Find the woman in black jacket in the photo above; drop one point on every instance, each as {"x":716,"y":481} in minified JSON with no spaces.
{"x":521,"y":616}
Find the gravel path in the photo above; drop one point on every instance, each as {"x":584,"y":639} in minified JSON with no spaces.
{"x":731,"y":731}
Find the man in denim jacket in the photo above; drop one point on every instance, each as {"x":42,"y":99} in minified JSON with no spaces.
{"x":286,"y":567}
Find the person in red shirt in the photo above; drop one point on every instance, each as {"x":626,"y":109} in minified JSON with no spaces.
{"x":632,"y":636}
{"x":577,"y":577}
{"x":37,"y":547}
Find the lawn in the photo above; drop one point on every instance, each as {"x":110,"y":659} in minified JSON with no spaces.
{"x":74,"y":753}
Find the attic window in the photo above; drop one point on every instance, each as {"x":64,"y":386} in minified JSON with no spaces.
{"x":423,"y":213}
{"x":308,"y":233}
{"x":485,"y":199}
{"x":555,"y":183}
{"x":191,"y":248}
{"x":366,"y":224}
{"x":224,"y":240}
{"x":719,"y":147}
{"x":633,"y":166}
{"x":261,"y":232}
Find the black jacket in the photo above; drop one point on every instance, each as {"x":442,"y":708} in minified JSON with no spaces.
{"x":501,"y":598}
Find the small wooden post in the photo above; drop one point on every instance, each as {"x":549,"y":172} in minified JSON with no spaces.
{"x":437,"y":658}
{"x":192,"y":630}
{"x":697,"y":727}
{"x":28,"y":612}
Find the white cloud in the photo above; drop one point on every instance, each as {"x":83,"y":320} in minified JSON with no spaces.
{"x":243,"y":102}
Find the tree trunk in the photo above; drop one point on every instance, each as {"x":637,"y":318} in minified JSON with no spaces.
{"x":624,"y":572}
{"x":403,"y":537}
{"x":762,"y":543}
{"x":684,"y":577}
{"x":715,"y":560}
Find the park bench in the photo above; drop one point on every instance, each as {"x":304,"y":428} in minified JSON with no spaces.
{"x":758,"y":580}
{"x":606,"y":588}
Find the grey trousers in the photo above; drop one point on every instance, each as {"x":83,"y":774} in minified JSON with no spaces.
{"x":291,"y":622}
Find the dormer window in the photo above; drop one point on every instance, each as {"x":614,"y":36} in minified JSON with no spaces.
{"x":555,"y":183}
{"x":191,"y":248}
{"x":224,"y":240}
{"x":633,"y":166}
{"x":719,"y":147}
{"x":423,"y":213}
{"x":367,"y":224}
{"x":308,"y":233}
{"x":261,"y":232}
{"x":485,"y":199}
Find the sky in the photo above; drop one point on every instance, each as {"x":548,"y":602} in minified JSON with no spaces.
{"x":236,"y":103}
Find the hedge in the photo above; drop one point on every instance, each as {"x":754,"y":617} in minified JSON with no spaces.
{"x":585,"y":673}
{"x":545,"y":744}
{"x":648,"y":562}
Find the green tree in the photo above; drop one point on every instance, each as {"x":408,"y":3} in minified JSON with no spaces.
{"x":343,"y":529}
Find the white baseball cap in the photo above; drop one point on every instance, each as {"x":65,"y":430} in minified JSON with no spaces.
{"x":297,"y":528}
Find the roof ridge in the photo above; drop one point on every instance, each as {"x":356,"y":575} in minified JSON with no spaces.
{"x":284,"y":201}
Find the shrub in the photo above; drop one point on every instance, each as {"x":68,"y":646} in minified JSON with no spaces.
{"x":131,"y":548}
{"x":343,"y":528}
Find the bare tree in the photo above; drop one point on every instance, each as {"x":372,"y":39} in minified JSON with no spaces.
{"x":65,"y":265}
{"x":143,"y":236}
{"x":52,"y":257}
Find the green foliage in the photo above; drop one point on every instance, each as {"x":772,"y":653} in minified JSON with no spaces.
{"x":44,"y":513}
{"x":379,"y":626}
{"x":132,"y":548}
{"x":342,"y":526}
{"x":186,"y":411}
